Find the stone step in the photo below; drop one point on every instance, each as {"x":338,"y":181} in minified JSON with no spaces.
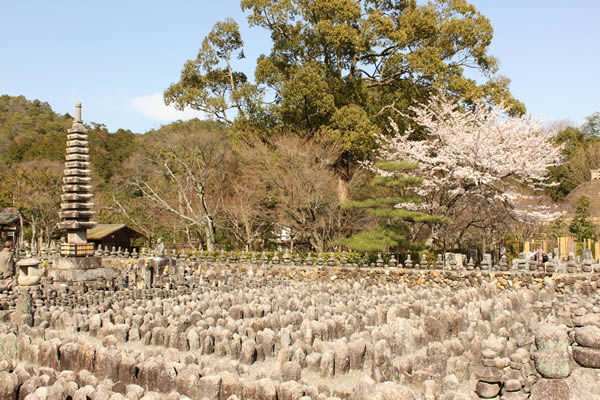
{"x":77,"y":143}
{"x":77,"y":157}
{"x":76,"y":196}
{"x":76,"y":224}
{"x":76,"y":214}
{"x":71,"y":180}
{"x":76,"y":206}
{"x":77,"y":188}
{"x":77,"y":164}
{"x":77,"y":172}
{"x":77,"y":136}
{"x":77,"y":150}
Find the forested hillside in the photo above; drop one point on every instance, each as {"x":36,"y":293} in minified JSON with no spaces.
{"x":32,"y":148}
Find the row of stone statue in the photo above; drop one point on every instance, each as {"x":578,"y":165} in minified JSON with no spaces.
{"x":343,"y":259}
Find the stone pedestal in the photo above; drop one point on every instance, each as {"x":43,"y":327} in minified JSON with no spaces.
{"x":79,"y":269}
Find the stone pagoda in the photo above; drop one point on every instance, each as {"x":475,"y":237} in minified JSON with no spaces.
{"x":76,"y":261}
{"x":76,"y":209}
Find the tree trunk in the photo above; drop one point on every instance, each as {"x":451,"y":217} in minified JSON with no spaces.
{"x":21,"y":233}
{"x":209,"y":230}
{"x":316,"y":246}
{"x":483,"y":247}
{"x":33,"y":234}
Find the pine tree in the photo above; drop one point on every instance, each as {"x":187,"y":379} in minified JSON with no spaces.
{"x":581,"y":227}
{"x":391,"y":202}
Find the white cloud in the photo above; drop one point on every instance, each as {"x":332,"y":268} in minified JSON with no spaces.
{"x":153,"y":106}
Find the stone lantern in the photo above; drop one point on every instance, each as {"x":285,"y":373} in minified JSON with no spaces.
{"x":28,"y":271}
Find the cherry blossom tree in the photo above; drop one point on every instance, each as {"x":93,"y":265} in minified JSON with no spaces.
{"x":478,"y":156}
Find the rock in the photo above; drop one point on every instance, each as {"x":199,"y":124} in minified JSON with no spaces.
{"x":588,"y":336}
{"x":356,"y":352}
{"x":29,"y":386}
{"x":248,"y":354}
{"x":431,"y":389}
{"x":391,"y":391}
{"x":265,"y":390}
{"x":8,"y":385}
{"x":327,"y":365}
{"x":550,"y":389}
{"x":291,"y":371}
{"x":552,"y":365}
{"x":230,"y":386}
{"x":552,"y":359}
{"x":56,"y":391}
{"x":342,"y":358}
{"x":586,"y":357}
{"x":551,"y":338}
{"x":290,"y":391}
{"x":119,"y":387}
{"x":209,"y":387}
{"x":450,"y":382}
{"x":84,"y":393}
{"x":382,"y":362}
{"x":487,"y":390}
{"x":512,"y":385}
{"x":515,"y":396}
{"x":134,"y":391}
{"x":488,"y":374}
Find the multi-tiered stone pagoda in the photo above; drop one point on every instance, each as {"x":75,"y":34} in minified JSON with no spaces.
{"x":77,"y":261}
{"x":76,"y":210}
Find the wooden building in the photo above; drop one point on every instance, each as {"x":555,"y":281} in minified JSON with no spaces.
{"x":10,"y":223}
{"x":113,"y":235}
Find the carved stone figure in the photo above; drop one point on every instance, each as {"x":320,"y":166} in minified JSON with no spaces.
{"x":159,"y":250}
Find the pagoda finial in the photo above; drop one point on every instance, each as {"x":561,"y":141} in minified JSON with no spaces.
{"x":78,"y":112}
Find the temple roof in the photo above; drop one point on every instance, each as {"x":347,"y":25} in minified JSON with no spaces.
{"x":100,"y":231}
{"x":9,"y":217}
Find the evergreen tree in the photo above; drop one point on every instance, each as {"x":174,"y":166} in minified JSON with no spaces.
{"x":559,"y":227}
{"x":581,"y":227}
{"x":392,"y":203}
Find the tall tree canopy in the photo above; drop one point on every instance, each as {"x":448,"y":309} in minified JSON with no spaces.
{"x":338,"y":68}
{"x":209,"y":83}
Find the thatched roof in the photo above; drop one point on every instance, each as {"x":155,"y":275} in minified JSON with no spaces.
{"x":9,"y":217}
{"x":100,"y":231}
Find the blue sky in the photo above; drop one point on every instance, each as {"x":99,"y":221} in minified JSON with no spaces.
{"x":118,"y":57}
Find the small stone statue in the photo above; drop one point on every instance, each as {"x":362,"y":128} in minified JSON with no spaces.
{"x":159,"y":250}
